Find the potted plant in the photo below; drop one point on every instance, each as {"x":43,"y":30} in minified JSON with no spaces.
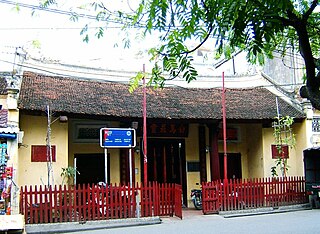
{"x":284,"y":139}
{"x":68,"y":174}
{"x":69,"y":194}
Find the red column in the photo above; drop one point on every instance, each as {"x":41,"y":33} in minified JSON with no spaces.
{"x":202,"y":154}
{"x":214,"y":151}
{"x":145,"y":158}
{"x":155,"y":175}
{"x":225,"y":176}
{"x":164,"y":164}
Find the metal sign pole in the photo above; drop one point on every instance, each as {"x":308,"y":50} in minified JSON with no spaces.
{"x":75,"y":167}
{"x":106,"y":165}
{"x":130,"y":166}
{"x":117,"y":138}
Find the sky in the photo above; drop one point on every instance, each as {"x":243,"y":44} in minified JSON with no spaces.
{"x":59,"y":37}
{"x":60,"y":40}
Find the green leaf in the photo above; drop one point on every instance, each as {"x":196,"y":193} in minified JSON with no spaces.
{"x":84,"y":29}
{"x":16,"y":8}
{"x":134,"y":81}
{"x":100,"y":32}
{"x":36,"y":44}
{"x":74,"y":17}
{"x":86,"y":38}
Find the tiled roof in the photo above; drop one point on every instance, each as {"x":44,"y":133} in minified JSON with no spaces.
{"x":96,"y":97}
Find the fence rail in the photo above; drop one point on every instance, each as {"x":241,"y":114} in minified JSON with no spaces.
{"x":82,"y":203}
{"x":252,"y":193}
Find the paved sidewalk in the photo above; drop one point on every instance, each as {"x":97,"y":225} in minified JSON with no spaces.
{"x":90,"y":225}
{"x":190,"y":213}
{"x":264,"y":210}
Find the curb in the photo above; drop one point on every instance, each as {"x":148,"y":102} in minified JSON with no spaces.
{"x":90,"y":225}
{"x":263,"y":211}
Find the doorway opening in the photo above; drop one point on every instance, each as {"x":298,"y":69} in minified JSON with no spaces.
{"x":166,"y":162}
{"x":234,"y":170}
{"x":91,"y":168}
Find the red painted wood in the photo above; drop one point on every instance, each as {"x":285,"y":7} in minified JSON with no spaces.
{"x":178,"y":201}
{"x":252,"y":193}
{"x":84,"y":202}
{"x":164,"y":165}
{"x":214,"y":153}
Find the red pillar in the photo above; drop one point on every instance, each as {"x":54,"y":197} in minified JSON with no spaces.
{"x":214,"y":152}
{"x":145,"y":158}
{"x":155,"y":175}
{"x":225,"y":176}
{"x":202,"y":154}
{"x":164,"y":164}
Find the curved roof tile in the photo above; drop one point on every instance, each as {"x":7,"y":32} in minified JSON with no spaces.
{"x":96,"y":97}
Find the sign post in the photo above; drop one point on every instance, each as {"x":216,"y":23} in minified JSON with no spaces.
{"x":117,"y":138}
{"x":130,"y":166}
{"x":106,"y":165}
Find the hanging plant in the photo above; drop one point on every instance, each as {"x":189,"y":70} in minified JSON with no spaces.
{"x":282,"y":131}
{"x":284,"y":139}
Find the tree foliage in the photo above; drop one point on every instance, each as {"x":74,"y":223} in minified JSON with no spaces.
{"x":258,"y":27}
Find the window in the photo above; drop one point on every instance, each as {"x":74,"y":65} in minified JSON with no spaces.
{"x":193,"y":166}
{"x":87,"y":132}
{"x":39,"y":153}
{"x":232,"y":134}
{"x":316,"y":124}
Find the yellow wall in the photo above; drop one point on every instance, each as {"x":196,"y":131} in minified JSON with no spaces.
{"x":92,"y":148}
{"x":35,"y":132}
{"x":295,"y":161}
{"x":254,"y":164}
{"x":192,"y":154}
{"x":239,"y":146}
{"x":254,"y":145}
{"x":137,"y":163}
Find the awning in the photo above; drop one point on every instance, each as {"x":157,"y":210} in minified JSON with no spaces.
{"x":9,"y":133}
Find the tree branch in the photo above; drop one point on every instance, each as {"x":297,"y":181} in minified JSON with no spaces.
{"x":195,"y":48}
{"x":310,"y":10}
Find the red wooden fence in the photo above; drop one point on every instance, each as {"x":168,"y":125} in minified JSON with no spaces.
{"x":84,"y":202}
{"x":252,"y":193}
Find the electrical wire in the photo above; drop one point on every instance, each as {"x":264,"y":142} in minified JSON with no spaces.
{"x":52,"y":10}
{"x":75,"y":14}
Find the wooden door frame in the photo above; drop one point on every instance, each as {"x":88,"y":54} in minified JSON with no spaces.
{"x":182,"y":169}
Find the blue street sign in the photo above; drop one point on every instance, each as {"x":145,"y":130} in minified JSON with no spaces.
{"x":117,"y":137}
